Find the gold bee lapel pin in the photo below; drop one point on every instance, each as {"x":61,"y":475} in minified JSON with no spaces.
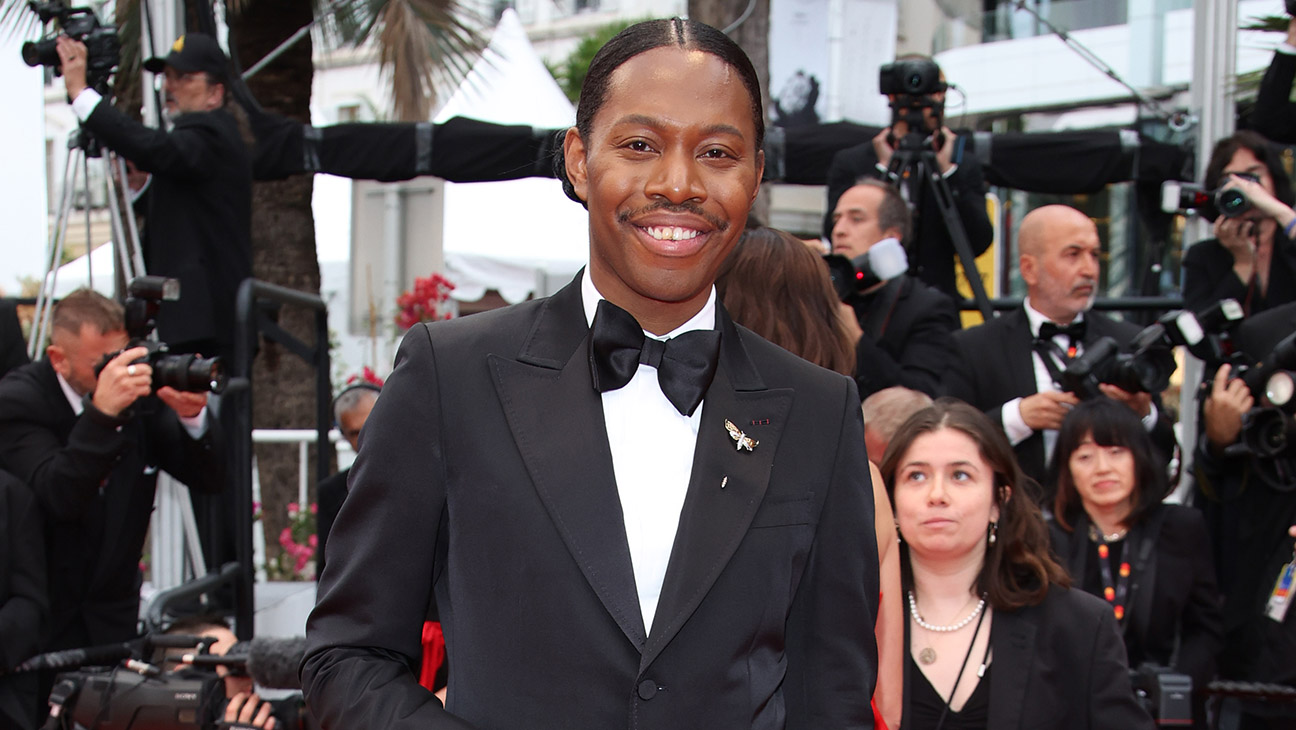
{"x":741,"y":440}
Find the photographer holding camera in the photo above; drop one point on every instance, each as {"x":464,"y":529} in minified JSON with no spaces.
{"x":1012,"y":366}
{"x":1252,"y":258}
{"x":198,"y":228}
{"x":900,"y":326}
{"x":1249,"y":502}
{"x":86,"y":429}
{"x":917,"y":127}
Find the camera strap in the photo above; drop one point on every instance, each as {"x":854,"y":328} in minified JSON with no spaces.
{"x":882,"y":307}
{"x":1052,"y":354}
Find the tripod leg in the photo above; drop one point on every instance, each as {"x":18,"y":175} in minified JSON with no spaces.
{"x":940,"y":192}
{"x":45,"y":298}
{"x":125,"y":241}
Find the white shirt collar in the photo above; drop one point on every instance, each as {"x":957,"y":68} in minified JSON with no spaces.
{"x":1036,"y":318}
{"x":73,"y":399}
{"x":704,"y":320}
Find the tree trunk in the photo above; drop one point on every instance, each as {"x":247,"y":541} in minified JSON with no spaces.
{"x":753,"y":37}
{"x":283,"y":252}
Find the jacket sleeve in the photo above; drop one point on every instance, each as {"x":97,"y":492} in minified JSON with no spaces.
{"x":830,"y":625}
{"x":189,"y":151}
{"x":1208,"y":276}
{"x":1274,"y":114}
{"x":1111,"y":695}
{"x":198,"y":463}
{"x":363,"y":638}
{"x":927,"y":352}
{"x":24,"y":608}
{"x":64,"y":477}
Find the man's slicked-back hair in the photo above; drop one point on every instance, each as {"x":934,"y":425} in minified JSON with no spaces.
{"x":87,"y":306}
{"x":642,"y":37}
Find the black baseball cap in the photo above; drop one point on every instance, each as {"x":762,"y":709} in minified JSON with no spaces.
{"x":192,"y":52}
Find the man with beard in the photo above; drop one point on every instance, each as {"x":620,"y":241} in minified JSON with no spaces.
{"x":198,"y":228}
{"x":1020,"y":355}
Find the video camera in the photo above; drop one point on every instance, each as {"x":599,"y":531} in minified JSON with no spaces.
{"x":184,"y":372}
{"x":1269,"y":431}
{"x":1181,"y":197}
{"x":102,"y":44}
{"x":911,"y":85}
{"x":883,"y":261}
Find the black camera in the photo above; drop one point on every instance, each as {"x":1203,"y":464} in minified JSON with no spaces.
{"x":884,"y":261}
{"x":184,"y":372}
{"x":1164,"y":693}
{"x":1147,"y":369}
{"x":914,"y":77}
{"x":103,"y":47}
{"x":120,"y":698}
{"x":1180,"y":197}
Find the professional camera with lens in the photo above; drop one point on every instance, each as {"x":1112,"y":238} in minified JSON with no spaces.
{"x":103,"y":47}
{"x":912,"y":84}
{"x":115,"y":697}
{"x":1269,"y":430}
{"x":184,"y":372}
{"x":915,"y":77}
{"x":883,"y":261}
{"x":1146,"y":369}
{"x":1164,"y":693}
{"x":1181,"y":197}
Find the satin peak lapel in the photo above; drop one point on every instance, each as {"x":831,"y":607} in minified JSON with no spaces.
{"x":725,"y":489}
{"x":556,"y":419}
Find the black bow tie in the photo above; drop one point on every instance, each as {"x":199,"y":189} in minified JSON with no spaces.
{"x":1074,"y":331}
{"x":685,"y":364}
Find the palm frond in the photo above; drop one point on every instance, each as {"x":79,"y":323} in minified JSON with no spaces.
{"x":423,"y":45}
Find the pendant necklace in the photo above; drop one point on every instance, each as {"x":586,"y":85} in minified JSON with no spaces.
{"x":927,"y":655}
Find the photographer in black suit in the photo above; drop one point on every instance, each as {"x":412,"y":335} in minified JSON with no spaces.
{"x":198,"y":228}
{"x":902,"y":327}
{"x":1002,"y":369}
{"x":1274,"y":114}
{"x":89,"y":442}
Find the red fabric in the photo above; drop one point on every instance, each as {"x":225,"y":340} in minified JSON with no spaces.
{"x":878,"y":722}
{"x":433,"y":654}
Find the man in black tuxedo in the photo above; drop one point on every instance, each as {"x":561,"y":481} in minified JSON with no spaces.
{"x":13,"y":347}
{"x":199,"y":223}
{"x":1002,"y":369}
{"x":618,"y":531}
{"x":89,"y":446}
{"x":903,"y":327}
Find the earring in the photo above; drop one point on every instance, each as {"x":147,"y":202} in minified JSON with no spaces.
{"x":994,"y":532}
{"x":899,"y":537}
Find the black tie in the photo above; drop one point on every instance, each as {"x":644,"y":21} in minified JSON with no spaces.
{"x":1075,"y":331}
{"x":685,"y":364}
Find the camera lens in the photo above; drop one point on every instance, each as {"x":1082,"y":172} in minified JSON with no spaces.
{"x":40,"y":53}
{"x":190,"y":373}
{"x":1232,"y":202}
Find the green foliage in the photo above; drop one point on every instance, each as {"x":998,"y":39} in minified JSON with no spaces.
{"x":570,"y":72}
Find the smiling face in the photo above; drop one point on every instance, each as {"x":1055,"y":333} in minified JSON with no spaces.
{"x":944,"y":497}
{"x":1103,"y":477}
{"x":669,"y":173}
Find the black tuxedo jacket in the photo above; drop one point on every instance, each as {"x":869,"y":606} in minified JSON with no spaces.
{"x":932,"y":254}
{"x":24,"y":608}
{"x":485,"y":483}
{"x":199,"y":226}
{"x":1059,"y":665}
{"x":913,"y":346}
{"x":1174,"y":606}
{"x":13,"y":348}
{"x":1274,"y":114}
{"x":93,"y":478}
{"x":996,"y":366}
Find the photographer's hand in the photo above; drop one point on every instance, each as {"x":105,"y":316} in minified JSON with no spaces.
{"x":248,"y":711}
{"x":1223,"y":409}
{"x":1262,"y":200}
{"x":945,"y":152}
{"x":1237,"y":236}
{"x":122,"y":382}
{"x":186,"y":405}
{"x":72,"y":62}
{"x":1140,"y":403}
{"x":882,"y":147}
{"x":1046,"y":410}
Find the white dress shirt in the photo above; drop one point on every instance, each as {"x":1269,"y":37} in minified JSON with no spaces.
{"x":1014,"y":425}
{"x":652,"y":458}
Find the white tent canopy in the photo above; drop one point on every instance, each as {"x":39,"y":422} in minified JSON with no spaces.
{"x":76,"y":273}
{"x":506,"y":235}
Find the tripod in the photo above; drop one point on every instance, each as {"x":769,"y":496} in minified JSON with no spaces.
{"x":82,"y":148}
{"x":913,"y":166}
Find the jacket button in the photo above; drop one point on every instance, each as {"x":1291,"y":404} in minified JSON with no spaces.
{"x":647,"y":689}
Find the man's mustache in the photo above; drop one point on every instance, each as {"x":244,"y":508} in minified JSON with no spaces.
{"x":685,"y":207}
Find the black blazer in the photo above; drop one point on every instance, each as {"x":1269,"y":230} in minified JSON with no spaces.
{"x":13,"y":348}
{"x":907,"y":340}
{"x":24,"y":608}
{"x":92,"y":480}
{"x":1208,"y":277}
{"x":1175,"y":615}
{"x":1059,"y":665}
{"x":1274,"y":115}
{"x":485,"y":481}
{"x":931,"y":251}
{"x":199,"y":227}
{"x":997,"y":365}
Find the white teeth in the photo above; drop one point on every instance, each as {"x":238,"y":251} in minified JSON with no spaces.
{"x":671,"y":233}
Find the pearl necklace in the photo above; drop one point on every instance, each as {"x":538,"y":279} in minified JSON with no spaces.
{"x":913,"y":611}
{"x":1094,"y":533}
